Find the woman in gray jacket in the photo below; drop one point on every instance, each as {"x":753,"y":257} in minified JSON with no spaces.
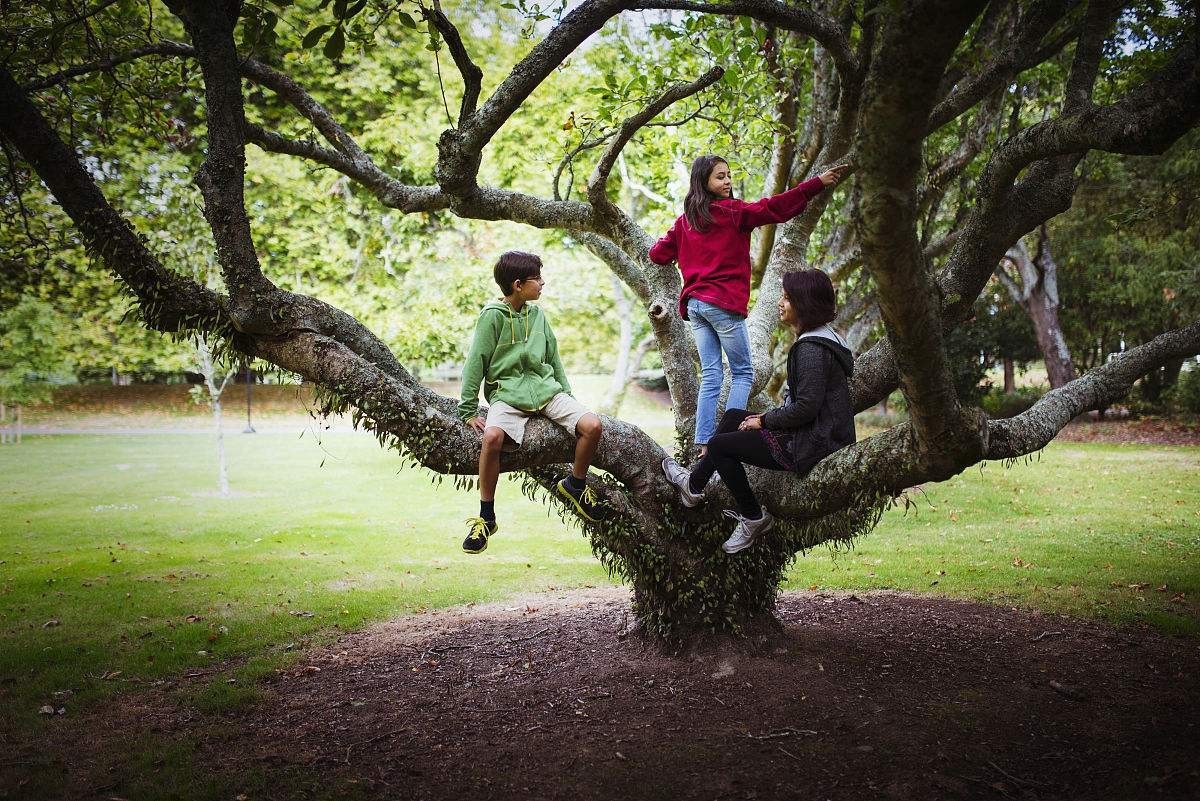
{"x":814,"y":421}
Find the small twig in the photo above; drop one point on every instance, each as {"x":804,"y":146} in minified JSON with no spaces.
{"x":778,"y":733}
{"x":1009,"y":775}
{"x":1045,"y":634}
{"x":789,"y":753}
{"x":530,"y":637}
{"x":209,"y":672}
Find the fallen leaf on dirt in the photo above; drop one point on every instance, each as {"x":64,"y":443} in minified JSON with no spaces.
{"x":193,"y":618}
{"x":46,"y":709}
{"x":301,"y":613}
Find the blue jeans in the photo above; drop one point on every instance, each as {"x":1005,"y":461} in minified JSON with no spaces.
{"x":716,"y":330}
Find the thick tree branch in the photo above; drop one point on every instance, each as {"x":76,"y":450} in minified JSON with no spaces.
{"x":349,"y":158}
{"x":598,"y":183}
{"x":821,"y":29}
{"x":222,"y":176}
{"x":169,"y":301}
{"x":1015,"y":57}
{"x":1147,"y":120}
{"x":1099,"y":387}
{"x":107,"y":63}
{"x":472,"y":75}
{"x":898,"y":96}
{"x":1097,"y":24}
{"x":589,"y":17}
{"x":588,"y":144}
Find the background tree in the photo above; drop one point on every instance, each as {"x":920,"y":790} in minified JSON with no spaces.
{"x":907,"y":92}
{"x":33,"y":356}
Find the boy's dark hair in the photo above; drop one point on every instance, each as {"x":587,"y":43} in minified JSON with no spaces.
{"x":696,"y":204}
{"x":516,"y":265}
{"x":812,"y":297}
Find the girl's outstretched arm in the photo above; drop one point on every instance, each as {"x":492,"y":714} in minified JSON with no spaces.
{"x":786,"y":205}
{"x":779,"y":208}
{"x":666,"y":249}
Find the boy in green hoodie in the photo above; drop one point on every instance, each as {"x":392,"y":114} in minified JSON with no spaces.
{"x":515,"y":356}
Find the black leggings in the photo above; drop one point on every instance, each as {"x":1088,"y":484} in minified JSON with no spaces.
{"x":728,"y":450}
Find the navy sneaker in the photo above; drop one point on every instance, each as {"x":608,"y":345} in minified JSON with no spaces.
{"x":585,"y":501}
{"x":477,"y":534}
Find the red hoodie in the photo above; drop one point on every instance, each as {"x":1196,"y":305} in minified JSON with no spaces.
{"x":716,"y":263}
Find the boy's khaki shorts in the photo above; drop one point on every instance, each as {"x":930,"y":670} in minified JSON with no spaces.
{"x":562,"y":409}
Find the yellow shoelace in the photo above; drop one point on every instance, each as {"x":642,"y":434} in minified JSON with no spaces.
{"x":589,"y":496}
{"x":478,"y":526}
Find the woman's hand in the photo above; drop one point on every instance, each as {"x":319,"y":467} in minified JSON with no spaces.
{"x":477,"y":423}
{"x":751,"y":423}
{"x":834,"y":174}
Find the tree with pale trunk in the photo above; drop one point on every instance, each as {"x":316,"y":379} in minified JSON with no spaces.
{"x":905,"y":92}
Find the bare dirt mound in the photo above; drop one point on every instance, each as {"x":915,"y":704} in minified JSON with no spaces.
{"x":873,"y":696}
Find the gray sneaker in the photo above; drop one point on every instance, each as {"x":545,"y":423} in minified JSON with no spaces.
{"x":745,"y":531}
{"x":678,"y":477}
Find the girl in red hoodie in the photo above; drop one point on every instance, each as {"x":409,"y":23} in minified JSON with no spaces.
{"x":711,"y":242}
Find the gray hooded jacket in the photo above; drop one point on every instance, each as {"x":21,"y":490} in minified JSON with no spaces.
{"x":815,"y":417}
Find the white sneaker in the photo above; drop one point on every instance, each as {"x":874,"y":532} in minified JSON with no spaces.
{"x":678,"y":477}
{"x":745,"y":531}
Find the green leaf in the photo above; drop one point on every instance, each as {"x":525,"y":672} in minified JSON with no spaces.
{"x":339,"y":8}
{"x":335,"y":44}
{"x":312,"y":37}
{"x":406,"y":20}
{"x":356,"y":8}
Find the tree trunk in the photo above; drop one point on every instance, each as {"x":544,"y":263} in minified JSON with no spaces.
{"x":1037,"y":293}
{"x":620,"y":375}
{"x":222,"y":471}
{"x":1010,"y":382}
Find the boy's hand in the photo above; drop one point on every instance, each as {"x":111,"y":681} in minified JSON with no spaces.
{"x":477,"y":423}
{"x":834,"y":174}
{"x":751,"y":423}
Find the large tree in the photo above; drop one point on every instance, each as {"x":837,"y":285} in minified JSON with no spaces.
{"x":907,"y":92}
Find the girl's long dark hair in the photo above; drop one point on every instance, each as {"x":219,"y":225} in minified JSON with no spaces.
{"x":696,"y":204}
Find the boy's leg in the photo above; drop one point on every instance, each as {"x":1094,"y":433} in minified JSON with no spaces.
{"x":573,"y":416}
{"x":504,"y":424}
{"x":587,"y":431}
{"x":489,"y":462}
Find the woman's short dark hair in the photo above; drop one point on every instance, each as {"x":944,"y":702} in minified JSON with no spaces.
{"x":812,"y":297}
{"x":516,"y":265}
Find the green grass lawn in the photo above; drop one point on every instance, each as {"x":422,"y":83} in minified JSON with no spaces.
{"x":118,"y":564}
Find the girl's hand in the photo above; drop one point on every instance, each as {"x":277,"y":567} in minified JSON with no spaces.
{"x":477,"y":423}
{"x":751,"y":423}
{"x":834,"y":174}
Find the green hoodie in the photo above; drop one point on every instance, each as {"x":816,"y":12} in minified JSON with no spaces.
{"x":515,"y":356}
